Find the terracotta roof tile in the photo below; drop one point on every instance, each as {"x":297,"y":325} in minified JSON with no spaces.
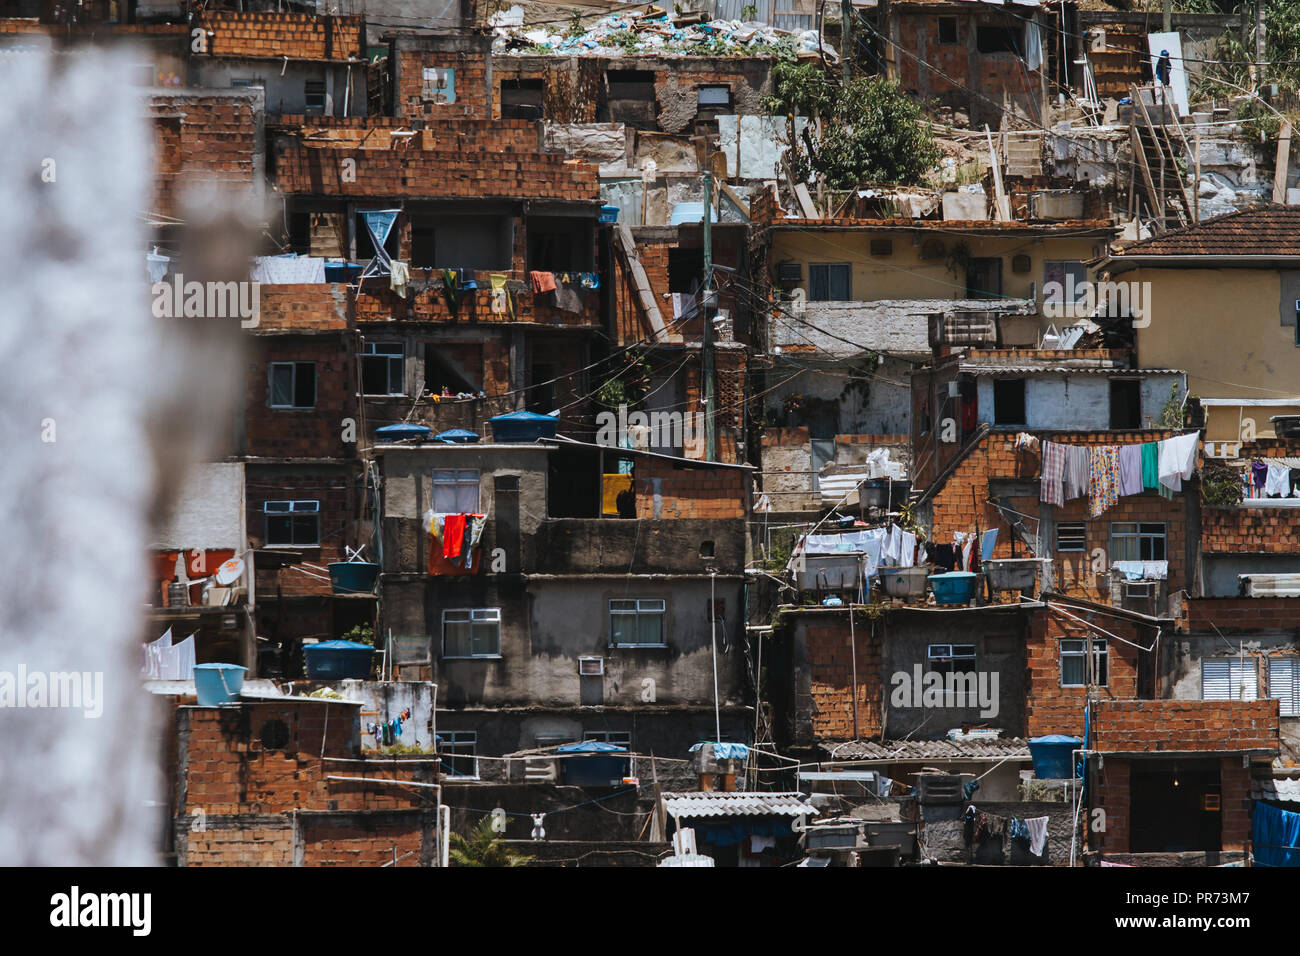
{"x":1267,"y":230}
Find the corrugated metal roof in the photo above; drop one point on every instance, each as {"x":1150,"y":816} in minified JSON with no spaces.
{"x":970,"y":749}
{"x":712,"y":803}
{"x":1276,"y":789}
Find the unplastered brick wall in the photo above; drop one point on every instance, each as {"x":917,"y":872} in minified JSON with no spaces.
{"x":493,"y":170}
{"x":335,"y":488}
{"x":1250,"y":530}
{"x":677,"y":87}
{"x":831,"y":670}
{"x":298,"y":36}
{"x":248,"y":768}
{"x":469,"y":72}
{"x":1114,"y":795}
{"x":667,"y":490}
{"x":1153,"y":726}
{"x":1053,"y":709}
{"x":1243,"y":615}
{"x":203,"y":137}
{"x":961,"y":503}
{"x":314,"y":432}
{"x":303,"y":307}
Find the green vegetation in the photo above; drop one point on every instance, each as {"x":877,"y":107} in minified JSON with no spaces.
{"x":361,"y":634}
{"x":871,"y":132}
{"x":483,"y":848}
{"x":1220,"y":486}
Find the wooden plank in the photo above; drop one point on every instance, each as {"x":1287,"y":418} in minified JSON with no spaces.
{"x":644,"y":293}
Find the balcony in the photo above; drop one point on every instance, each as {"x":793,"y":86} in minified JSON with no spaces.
{"x":1147,"y":727}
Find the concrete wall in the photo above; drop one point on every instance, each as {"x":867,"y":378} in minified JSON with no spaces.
{"x":880,"y":405}
{"x":1219,"y":571}
{"x":286,"y":93}
{"x":999,"y":638}
{"x":1053,"y":399}
{"x":910,"y":272}
{"x":547,"y":626}
{"x":1223,"y":326}
{"x":209,"y":512}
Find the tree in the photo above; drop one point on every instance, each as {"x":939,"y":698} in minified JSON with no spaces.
{"x":867,"y":132}
{"x":483,"y":848}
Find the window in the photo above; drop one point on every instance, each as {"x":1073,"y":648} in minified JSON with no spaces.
{"x":313,"y":92}
{"x":1229,"y":679}
{"x":636,"y":623}
{"x":471,"y":632}
{"x":456,"y":750}
{"x":685,"y":270}
{"x":619,"y":738}
{"x":1065,"y":282}
{"x":947,"y":29}
{"x":381,"y":368}
{"x":455,"y":491}
{"x":997,"y":39}
{"x":714,"y":95}
{"x":1134,"y":541}
{"x":951,"y":658}
{"x":984,"y":278}
{"x":521,"y":99}
{"x":882,"y":247}
{"x":1074,"y":663}
{"x":830,"y":282}
{"x":293,"y":385}
{"x":1125,"y":403}
{"x":292,"y":523}
{"x":1008,"y":401}
{"x":242,"y":82}
{"x":439,"y":84}
{"x":1071,"y":536}
{"x":1284,"y":684}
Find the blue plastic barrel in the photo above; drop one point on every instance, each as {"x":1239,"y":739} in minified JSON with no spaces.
{"x":217,"y":683}
{"x":1052,"y":756}
{"x":955,"y":587}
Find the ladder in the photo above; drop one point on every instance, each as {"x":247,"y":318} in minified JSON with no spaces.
{"x":1154,"y":158}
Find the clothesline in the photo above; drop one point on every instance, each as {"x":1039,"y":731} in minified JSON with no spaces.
{"x":1105,"y":473}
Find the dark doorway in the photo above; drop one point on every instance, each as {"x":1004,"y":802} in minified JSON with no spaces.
{"x":984,"y":278}
{"x":1125,"y":403}
{"x":1008,"y":401}
{"x":1174,"y":806}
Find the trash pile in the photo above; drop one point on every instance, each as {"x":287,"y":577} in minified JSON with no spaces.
{"x":649,"y":32}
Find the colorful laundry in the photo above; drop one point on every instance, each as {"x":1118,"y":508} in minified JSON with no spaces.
{"x":1104,"y":485}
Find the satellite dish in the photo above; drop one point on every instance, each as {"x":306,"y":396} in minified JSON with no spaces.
{"x":230,"y":572}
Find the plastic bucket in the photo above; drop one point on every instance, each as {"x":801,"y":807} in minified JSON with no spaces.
{"x":217,"y":683}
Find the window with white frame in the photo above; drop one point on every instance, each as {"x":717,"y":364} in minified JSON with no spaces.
{"x":292,"y":523}
{"x":619,"y":738}
{"x":637,"y":622}
{"x":457,"y":751}
{"x":455,"y":491}
{"x":1284,"y":684}
{"x":381,"y":368}
{"x":1232,"y":678}
{"x":1071,"y":536}
{"x":951,"y":658}
{"x":1137,"y":541}
{"x":292,"y":385}
{"x":471,"y":632}
{"x":1074,"y":663}
{"x":314,"y":94}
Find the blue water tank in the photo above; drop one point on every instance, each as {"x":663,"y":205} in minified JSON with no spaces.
{"x":217,"y":683}
{"x":955,"y":587}
{"x":338,"y":660}
{"x":522,"y":427}
{"x":1052,"y":756}
{"x":403,"y":432}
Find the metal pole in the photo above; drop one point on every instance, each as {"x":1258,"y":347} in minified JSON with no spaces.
{"x":710,"y":422}
{"x":713,"y":628}
{"x":853,"y":654}
{"x":846,"y":44}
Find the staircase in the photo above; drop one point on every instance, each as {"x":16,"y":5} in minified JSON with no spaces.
{"x":1023,"y":154}
{"x":1156,"y":176}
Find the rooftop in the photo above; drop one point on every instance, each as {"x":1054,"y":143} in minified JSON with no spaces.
{"x":1260,"y":231}
{"x":713,"y":803}
{"x":898,"y":750}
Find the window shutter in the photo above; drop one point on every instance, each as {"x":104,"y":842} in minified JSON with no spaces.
{"x":1232,"y":679}
{"x":1282,"y":675}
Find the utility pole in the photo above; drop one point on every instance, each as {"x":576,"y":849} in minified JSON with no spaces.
{"x":1169,"y":16}
{"x":846,"y":41}
{"x":708,"y":308}
{"x":1260,"y":44}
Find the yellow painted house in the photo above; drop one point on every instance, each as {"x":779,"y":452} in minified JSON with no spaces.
{"x":1222,"y":299}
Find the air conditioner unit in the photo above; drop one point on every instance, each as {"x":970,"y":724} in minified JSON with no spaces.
{"x":791,"y":272}
{"x":591,"y":666}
